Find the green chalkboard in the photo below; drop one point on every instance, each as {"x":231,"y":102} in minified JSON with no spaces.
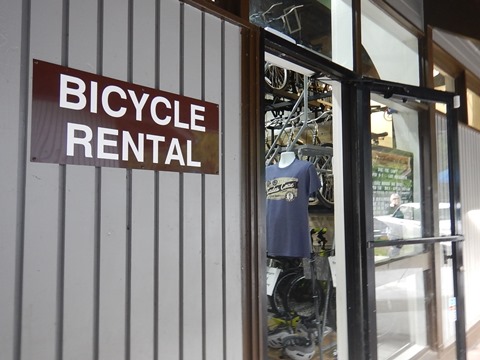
{"x":392,"y":172}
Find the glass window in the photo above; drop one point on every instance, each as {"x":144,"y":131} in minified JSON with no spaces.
{"x":403,"y":269}
{"x":448,"y":301}
{"x":300,"y":223}
{"x":390,"y":51}
{"x":443,"y":82}
{"x":443,"y":188}
{"x":473,"y":104}
{"x":401,"y":312}
{"x":323,"y":26}
{"x":395,"y":176}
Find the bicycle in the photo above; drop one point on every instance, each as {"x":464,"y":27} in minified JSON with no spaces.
{"x":376,"y":137}
{"x":290,"y":268}
{"x":301,"y":304}
{"x":308,"y":290}
{"x":285,"y":20}
{"x":321,"y":155}
{"x":293,"y":294}
{"x":307,"y":147}
{"x":275,"y":77}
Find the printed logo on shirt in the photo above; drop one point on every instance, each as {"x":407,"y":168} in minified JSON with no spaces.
{"x":283,"y":188}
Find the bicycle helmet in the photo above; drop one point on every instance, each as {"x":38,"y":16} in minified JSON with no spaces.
{"x":276,"y":335}
{"x":308,"y":328}
{"x":283,"y":320}
{"x":298,"y":347}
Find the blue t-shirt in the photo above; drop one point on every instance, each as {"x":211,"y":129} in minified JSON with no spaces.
{"x":288,"y":191}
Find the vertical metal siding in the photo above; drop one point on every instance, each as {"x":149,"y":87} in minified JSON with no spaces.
{"x":169,"y":194}
{"x":192,"y":234}
{"x":103,"y":263}
{"x":143,"y":202}
{"x":12,"y":128}
{"x":212,"y":255}
{"x":231,"y":185}
{"x":469,"y":154}
{"x":469,"y":157}
{"x":114,"y":293}
{"x":43,"y":220}
{"x":80,"y":204}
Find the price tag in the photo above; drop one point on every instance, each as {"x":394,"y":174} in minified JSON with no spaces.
{"x":333,"y":264}
{"x":452,"y":309}
{"x":272,"y":276}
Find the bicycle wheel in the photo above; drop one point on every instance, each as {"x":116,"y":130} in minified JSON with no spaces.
{"x":323,"y":165}
{"x":276,"y":77}
{"x":299,"y":298}
{"x":276,"y":299}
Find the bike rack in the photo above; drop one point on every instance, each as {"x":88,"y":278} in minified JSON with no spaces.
{"x":305,"y":112}
{"x":282,"y":130}
{"x":301,"y":150}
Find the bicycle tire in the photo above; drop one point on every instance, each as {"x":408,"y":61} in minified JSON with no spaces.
{"x":323,"y":165}
{"x":299,"y":300}
{"x":276,"y":300}
{"x":276,"y":77}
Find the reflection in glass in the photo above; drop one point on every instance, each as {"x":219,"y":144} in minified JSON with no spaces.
{"x":389,"y":48}
{"x":448,"y":302}
{"x":473,"y":108}
{"x":306,"y":22}
{"x":321,"y":26}
{"x":444,"y":224}
{"x":403,"y":282}
{"x":395,"y":176}
{"x":401,"y":312}
{"x":443,"y":82}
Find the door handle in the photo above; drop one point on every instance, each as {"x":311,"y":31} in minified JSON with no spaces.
{"x":446,"y":257}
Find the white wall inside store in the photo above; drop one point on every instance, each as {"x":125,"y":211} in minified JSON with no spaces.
{"x":393,"y":50}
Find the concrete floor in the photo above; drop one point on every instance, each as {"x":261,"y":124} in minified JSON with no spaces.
{"x":474,"y":353}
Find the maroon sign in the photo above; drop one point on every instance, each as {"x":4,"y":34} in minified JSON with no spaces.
{"x":87,"y":119}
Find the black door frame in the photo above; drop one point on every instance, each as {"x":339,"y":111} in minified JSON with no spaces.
{"x":359,"y":247}
{"x":360,"y":267}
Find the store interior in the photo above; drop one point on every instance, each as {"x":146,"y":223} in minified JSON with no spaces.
{"x":300,"y":289}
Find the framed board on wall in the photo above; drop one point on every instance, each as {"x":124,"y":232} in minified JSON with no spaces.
{"x":392,"y":172}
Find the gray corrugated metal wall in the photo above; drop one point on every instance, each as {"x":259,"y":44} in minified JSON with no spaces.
{"x":443,"y":192}
{"x":469,"y":157}
{"x":469,"y":154}
{"x":103,"y":263}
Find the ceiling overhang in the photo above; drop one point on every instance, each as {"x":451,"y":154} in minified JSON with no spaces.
{"x":459,"y":16}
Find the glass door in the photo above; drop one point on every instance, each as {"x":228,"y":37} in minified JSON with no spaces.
{"x":412,"y":206}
